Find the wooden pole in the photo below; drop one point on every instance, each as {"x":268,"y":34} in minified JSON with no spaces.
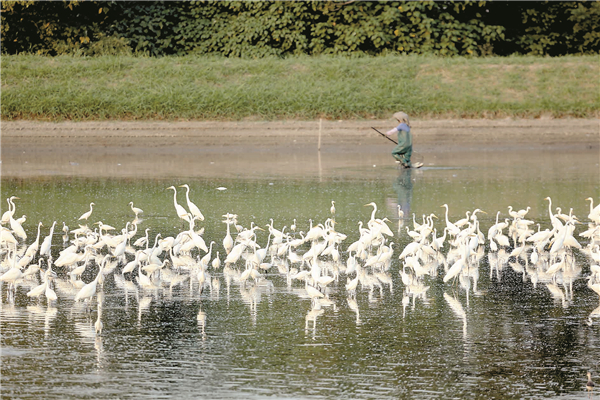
{"x":320,"y":129}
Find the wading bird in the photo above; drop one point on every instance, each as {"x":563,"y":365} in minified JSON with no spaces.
{"x":86,"y":215}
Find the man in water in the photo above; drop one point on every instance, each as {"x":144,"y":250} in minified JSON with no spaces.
{"x":403,"y":150}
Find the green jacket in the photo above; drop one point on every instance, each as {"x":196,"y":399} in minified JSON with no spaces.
{"x":403,"y":150}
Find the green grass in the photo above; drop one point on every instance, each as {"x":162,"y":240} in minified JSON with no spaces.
{"x":212,"y":88}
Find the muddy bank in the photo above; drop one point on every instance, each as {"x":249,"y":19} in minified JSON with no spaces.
{"x":251,"y":148}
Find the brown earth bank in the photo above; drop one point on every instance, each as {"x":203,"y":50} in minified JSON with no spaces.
{"x":160,"y":149}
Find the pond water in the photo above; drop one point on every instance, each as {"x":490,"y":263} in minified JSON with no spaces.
{"x":501,"y":332}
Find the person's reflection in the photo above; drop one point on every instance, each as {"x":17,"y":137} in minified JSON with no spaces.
{"x":403,"y":186}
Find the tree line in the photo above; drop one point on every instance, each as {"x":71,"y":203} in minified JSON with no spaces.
{"x":255,"y":29}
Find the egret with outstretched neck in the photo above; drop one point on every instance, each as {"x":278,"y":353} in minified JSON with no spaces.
{"x":194,"y":210}
{"x":181,"y":213}
{"x":11,"y":209}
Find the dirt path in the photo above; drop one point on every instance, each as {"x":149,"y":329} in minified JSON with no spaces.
{"x":247,"y":148}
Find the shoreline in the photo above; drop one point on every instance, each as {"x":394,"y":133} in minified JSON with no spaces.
{"x":212,"y":148}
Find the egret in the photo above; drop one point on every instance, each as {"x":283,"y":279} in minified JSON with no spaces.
{"x":12,"y":275}
{"x":131,"y":265}
{"x":33,"y":247}
{"x":351,"y":286}
{"x":374,"y":205}
{"x":143,"y":240}
{"x":206,"y":259}
{"x":17,"y":228}
{"x":332,"y":209}
{"x":594,"y":214}
{"x":452,"y":229}
{"x":181,"y":213}
{"x":144,"y":281}
{"x":228,"y":240}
{"x":216,"y":262}
{"x":65,"y":230}
{"x":49,"y":292}
{"x":400,"y":212}
{"x":6,"y":237}
{"x":88,"y":291}
{"x":194,"y":210}
{"x":135,"y":210}
{"x":461,"y":222}
{"x":11,"y":210}
{"x":518,"y":214}
{"x":38,"y":290}
{"x":87,"y":214}
{"x":312,"y":292}
{"x":438,"y":242}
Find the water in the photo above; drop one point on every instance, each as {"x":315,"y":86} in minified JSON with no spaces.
{"x":506,"y":338}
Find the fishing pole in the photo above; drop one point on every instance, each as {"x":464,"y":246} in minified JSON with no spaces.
{"x":415,"y":165}
{"x":385,"y":136}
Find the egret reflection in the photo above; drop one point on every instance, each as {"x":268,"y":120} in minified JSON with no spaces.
{"x":458,"y":310}
{"x":315,"y":263}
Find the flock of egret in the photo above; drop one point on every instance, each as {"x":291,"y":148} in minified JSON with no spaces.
{"x":316,"y":262}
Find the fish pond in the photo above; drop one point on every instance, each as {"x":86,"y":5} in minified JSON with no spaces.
{"x":254,"y":327}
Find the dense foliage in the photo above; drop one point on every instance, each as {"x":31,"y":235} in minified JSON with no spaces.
{"x":278,"y":28}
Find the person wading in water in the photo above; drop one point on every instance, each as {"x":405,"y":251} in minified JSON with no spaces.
{"x":403,"y":150}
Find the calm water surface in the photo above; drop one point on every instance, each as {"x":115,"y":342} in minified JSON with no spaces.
{"x":501,"y":337}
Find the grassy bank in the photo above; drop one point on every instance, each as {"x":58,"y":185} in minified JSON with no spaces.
{"x":303,"y":88}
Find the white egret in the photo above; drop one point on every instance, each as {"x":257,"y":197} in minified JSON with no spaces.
{"x":351,"y":286}
{"x":87,"y":214}
{"x":65,"y":236}
{"x":88,"y":291}
{"x":135,"y":210}
{"x":38,"y":290}
{"x":131,"y":265}
{"x":312,"y":292}
{"x":518,"y":214}
{"x":556,"y":224}
{"x":12,"y":275}
{"x":228,"y":240}
{"x":461,"y":222}
{"x":332,"y":209}
{"x":594,"y":214}
{"x":49,"y":292}
{"x":374,"y":205}
{"x":400,"y":212}
{"x":194,"y":210}
{"x":17,"y":228}
{"x":6,"y":237}
{"x":11,"y":210}
{"x":206,"y":259}
{"x":181,"y":213}
{"x":33,"y":247}
{"x":216,"y":262}
{"x":452,"y":228}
